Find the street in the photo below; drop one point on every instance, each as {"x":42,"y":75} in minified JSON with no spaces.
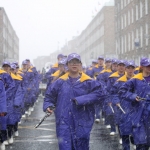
{"x":44,"y":137}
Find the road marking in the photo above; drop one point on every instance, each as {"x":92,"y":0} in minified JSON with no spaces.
{"x":31,"y":127}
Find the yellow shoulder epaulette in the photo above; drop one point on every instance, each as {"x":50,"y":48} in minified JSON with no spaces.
{"x":105,"y":70}
{"x":137,"y":68}
{"x":115,"y":74}
{"x":83,"y":78}
{"x":56,"y":74}
{"x":15,"y":77}
{"x":29,"y":70}
{"x":55,"y":65}
{"x":138,"y":76}
{"x":2,"y":71}
{"x":123,"y":78}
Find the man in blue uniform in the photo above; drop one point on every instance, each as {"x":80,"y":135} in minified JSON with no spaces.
{"x":9,"y":86}
{"x":123,"y":119}
{"x":111,"y":80}
{"x":133,"y":90}
{"x":98,"y":68}
{"x":54,"y":67}
{"x":3,"y":112}
{"x":74,"y":95}
{"x":89,"y":70}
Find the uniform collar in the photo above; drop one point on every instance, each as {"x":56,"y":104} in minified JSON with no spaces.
{"x":137,"y":68}
{"x":115,"y":74}
{"x":123,"y":78}
{"x":16,"y":77}
{"x":90,"y":68}
{"x":31,"y":67}
{"x":105,"y":70}
{"x":97,"y":66}
{"x":55,"y":65}
{"x":29,"y":70}
{"x":83,"y":77}
{"x":56,"y":74}
{"x":2,"y":71}
{"x":138,"y":76}
{"x":19,"y":71}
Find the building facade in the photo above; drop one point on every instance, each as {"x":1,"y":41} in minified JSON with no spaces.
{"x":99,"y":36}
{"x":9,"y":41}
{"x":132,"y":32}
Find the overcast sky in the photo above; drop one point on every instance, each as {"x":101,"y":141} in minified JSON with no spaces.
{"x":41,"y":24}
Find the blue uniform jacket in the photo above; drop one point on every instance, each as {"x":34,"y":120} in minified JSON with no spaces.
{"x":123,"y":120}
{"x":8,"y":81}
{"x":3,"y":105}
{"x":103,"y":76}
{"x":95,"y":71}
{"x":74,"y":122}
{"x":111,"y":80}
{"x":9,"y":86}
{"x":15,"y":114}
{"x":137,"y":86}
{"x":89,"y":71}
{"x":30,"y":87}
{"x":51,"y":71}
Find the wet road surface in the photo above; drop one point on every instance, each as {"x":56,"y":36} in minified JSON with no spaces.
{"x":44,"y":137}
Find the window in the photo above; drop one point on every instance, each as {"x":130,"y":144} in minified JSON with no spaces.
{"x":137,"y":13}
{"x":125,"y":43}
{"x":141,"y":9}
{"x":132,"y":40}
{"x":136,"y":40}
{"x":121,"y":22}
{"x":121,"y":4}
{"x":141,"y":36}
{"x":125,"y":3}
{"x":128,"y":41}
{"x":132,"y":15}
{"x":122,"y":44}
{"x":146,"y":7}
{"x":116,"y":47}
{"x":146,"y":35}
{"x":4,"y":33}
{"x":137,"y":33}
{"x":118,"y":24}
{"x":128,"y":17}
{"x":118,"y":7}
{"x":125,"y":20}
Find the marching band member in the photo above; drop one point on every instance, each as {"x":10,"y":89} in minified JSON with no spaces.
{"x":124,"y":110}
{"x":109,"y":107}
{"x":103,"y":77}
{"x":73,"y":95}
{"x":9,"y":86}
{"x":3,"y":112}
{"x":137,"y":91}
